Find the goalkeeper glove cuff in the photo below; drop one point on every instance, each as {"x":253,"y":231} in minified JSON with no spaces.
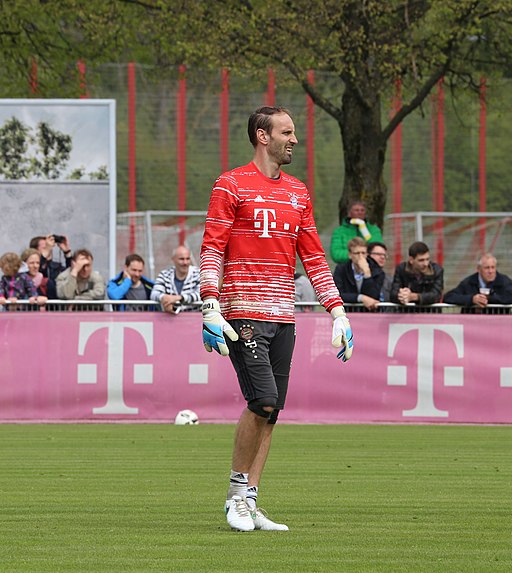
{"x":215,"y":327}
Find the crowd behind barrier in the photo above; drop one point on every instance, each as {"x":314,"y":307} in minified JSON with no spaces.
{"x":108,"y":305}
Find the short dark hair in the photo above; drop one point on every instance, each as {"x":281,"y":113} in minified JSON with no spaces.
{"x":261,"y":118}
{"x":34,"y":241}
{"x":82,"y":253}
{"x":418,"y":248}
{"x":374,"y":244}
{"x":133,"y":257}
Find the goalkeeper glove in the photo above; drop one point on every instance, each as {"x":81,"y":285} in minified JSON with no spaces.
{"x":342,"y":333}
{"x":214,"y":327}
{"x":363,"y":229}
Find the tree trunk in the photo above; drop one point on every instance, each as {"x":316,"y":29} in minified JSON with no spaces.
{"x":364,"y":151}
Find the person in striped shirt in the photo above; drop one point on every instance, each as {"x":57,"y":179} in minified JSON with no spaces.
{"x":177,"y":288}
{"x":258,"y":219}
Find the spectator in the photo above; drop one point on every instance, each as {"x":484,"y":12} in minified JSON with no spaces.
{"x":131,"y":284}
{"x":50,"y":268}
{"x":417,"y":280}
{"x":304,"y":292}
{"x":379,"y":253}
{"x":32,"y":261}
{"x":355,"y":225}
{"x":177,"y":287}
{"x":80,"y":282}
{"x":359,"y":279}
{"x":14,"y":285}
{"x":486,"y":286}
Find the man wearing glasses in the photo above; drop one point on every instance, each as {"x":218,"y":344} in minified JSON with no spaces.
{"x":379,"y":253}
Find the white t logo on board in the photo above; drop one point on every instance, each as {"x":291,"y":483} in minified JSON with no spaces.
{"x":453,"y":375}
{"x":142,"y":373}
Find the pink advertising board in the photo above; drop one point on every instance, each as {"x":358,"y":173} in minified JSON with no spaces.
{"x":407,"y":368}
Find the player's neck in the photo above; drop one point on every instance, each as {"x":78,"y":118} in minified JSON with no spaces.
{"x":269,"y":168}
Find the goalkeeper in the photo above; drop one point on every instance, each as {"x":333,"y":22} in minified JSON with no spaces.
{"x":354,"y":225}
{"x":258,"y":219}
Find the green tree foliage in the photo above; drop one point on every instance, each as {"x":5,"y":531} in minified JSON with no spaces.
{"x":14,"y":142}
{"x":25,"y":155}
{"x":368,"y":46}
{"x":52,"y":152}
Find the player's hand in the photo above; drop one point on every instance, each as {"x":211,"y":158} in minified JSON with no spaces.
{"x":363,"y":229}
{"x":342,"y":333}
{"x":214,"y":328}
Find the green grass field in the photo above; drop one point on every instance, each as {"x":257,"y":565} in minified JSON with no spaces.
{"x":149,"y":498}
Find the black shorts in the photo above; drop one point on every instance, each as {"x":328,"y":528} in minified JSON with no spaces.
{"x":262,"y":357}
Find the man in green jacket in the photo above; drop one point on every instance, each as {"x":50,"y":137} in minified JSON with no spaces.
{"x":355,"y":225}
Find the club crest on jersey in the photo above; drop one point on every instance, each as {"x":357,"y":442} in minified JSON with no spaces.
{"x":246,"y":331}
{"x":294,"y":201}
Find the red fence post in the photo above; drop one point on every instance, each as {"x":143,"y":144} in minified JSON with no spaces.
{"x":396,"y":167}
{"x":224,"y":121}
{"x":438,"y":198}
{"x":270,"y":98}
{"x":181,"y":134}
{"x":310,"y":139}
{"x":482,"y":164}
{"x":132,"y":178}
{"x":34,"y":88}
{"x":84,"y":94}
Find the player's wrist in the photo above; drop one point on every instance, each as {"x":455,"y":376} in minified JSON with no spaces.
{"x":210,"y":305}
{"x":338,"y":311}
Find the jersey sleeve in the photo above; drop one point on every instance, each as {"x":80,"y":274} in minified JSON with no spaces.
{"x":219,"y":222}
{"x":312,"y":255}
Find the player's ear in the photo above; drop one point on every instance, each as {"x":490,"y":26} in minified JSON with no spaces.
{"x":262,"y":136}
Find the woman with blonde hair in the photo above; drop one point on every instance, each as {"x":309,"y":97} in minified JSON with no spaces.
{"x":32,"y":260}
{"x":15,"y":285}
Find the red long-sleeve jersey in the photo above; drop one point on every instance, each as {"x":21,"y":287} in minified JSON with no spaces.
{"x":258,"y":225}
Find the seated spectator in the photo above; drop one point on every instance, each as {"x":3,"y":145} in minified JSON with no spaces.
{"x":14,"y":285}
{"x":80,"y":282}
{"x":31,"y":260}
{"x":177,"y":287}
{"x":360,"y":279}
{"x":304,"y":292}
{"x":131,"y":284}
{"x":379,"y":253}
{"x":486,"y":286}
{"x":354,"y":225}
{"x":417,"y":280}
{"x":50,"y":268}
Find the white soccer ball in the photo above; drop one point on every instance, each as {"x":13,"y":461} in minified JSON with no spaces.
{"x":186,"y":418}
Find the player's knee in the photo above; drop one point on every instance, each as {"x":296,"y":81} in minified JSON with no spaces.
{"x":273,"y":416}
{"x":263,"y":407}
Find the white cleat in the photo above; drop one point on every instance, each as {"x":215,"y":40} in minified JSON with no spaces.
{"x":261,"y":521}
{"x":238,"y":514}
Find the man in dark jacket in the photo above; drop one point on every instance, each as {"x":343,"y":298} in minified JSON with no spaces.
{"x":417,"y":280}
{"x":486,"y":286}
{"x":360,"y":279}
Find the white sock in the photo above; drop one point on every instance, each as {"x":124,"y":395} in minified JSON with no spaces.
{"x":237,"y":484}
{"x":252,"y":496}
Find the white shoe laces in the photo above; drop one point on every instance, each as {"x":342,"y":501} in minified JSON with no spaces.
{"x":260,"y":512}
{"x":241,"y":508}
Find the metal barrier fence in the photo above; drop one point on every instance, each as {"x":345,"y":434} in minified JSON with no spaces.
{"x":151,"y":306}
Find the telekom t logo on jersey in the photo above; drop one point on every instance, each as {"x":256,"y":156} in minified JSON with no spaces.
{"x":265,"y":219}
{"x":453,"y":375}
